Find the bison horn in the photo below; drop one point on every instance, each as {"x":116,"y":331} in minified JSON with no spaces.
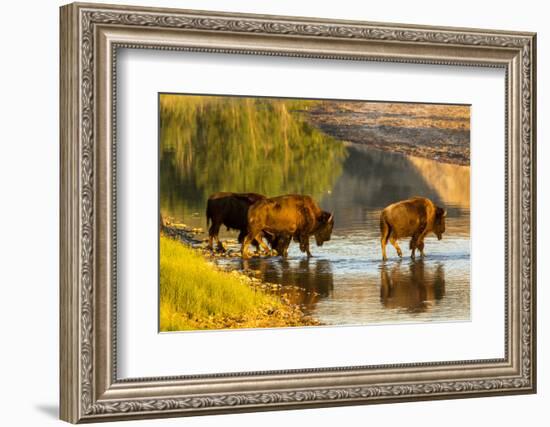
{"x":445,"y":213}
{"x":330,"y":218}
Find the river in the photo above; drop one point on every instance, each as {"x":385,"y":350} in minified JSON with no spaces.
{"x":346,"y":282}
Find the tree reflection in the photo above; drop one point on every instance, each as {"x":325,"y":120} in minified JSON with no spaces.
{"x":215,"y":143}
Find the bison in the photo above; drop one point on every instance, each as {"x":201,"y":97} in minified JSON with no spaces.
{"x":286,"y":217}
{"x":231,"y":210}
{"x":415,"y":218}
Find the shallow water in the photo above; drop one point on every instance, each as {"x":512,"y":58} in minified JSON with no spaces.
{"x":346,"y":282}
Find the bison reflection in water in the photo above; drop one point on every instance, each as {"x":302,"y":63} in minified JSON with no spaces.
{"x":414,"y":289}
{"x":414,"y":218}
{"x":304,"y":281}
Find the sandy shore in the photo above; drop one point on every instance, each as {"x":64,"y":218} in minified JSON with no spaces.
{"x":437,"y":132}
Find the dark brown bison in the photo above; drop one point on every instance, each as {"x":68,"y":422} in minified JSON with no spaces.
{"x":412,"y":218}
{"x":231,"y":210}
{"x":291,"y":216}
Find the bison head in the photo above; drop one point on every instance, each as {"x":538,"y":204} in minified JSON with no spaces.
{"x":439,"y":222}
{"x":325,"y":223}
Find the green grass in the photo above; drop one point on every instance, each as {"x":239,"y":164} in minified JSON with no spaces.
{"x":194,"y":294}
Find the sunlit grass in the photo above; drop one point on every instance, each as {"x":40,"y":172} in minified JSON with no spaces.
{"x":196,"y":295}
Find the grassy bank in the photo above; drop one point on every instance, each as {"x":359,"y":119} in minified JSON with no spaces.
{"x":194,"y":294}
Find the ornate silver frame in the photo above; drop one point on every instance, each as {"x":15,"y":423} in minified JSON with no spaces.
{"x":90,"y":36}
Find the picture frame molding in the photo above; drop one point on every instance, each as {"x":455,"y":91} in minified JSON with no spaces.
{"x":89,"y":38}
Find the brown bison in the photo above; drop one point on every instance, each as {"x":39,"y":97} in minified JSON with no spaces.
{"x":231,"y":210}
{"x":291,"y":216}
{"x":413,"y":218}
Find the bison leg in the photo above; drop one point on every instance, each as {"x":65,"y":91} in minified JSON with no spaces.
{"x":250,"y":238}
{"x":244,"y":247}
{"x":417,"y":241}
{"x":213,"y":232}
{"x":281,"y":244}
{"x":257,"y":246}
{"x":304,"y":245}
{"x":413,"y":245}
{"x":420,"y":246}
{"x":242,"y":235}
{"x":383,"y":244}
{"x":263,"y":244}
{"x":210,"y":240}
{"x":384,"y":236}
{"x":284,"y":246}
{"x":417,"y":244}
{"x":394,"y":243}
{"x":259,"y":243}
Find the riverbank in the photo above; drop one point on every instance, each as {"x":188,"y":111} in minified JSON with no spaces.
{"x":197,"y":295}
{"x":433,"y":131}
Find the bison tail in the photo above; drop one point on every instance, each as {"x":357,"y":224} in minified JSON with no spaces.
{"x":385,"y":228}
{"x":208,"y":214}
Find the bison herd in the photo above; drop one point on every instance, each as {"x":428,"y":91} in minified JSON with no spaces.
{"x":280,"y":220}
